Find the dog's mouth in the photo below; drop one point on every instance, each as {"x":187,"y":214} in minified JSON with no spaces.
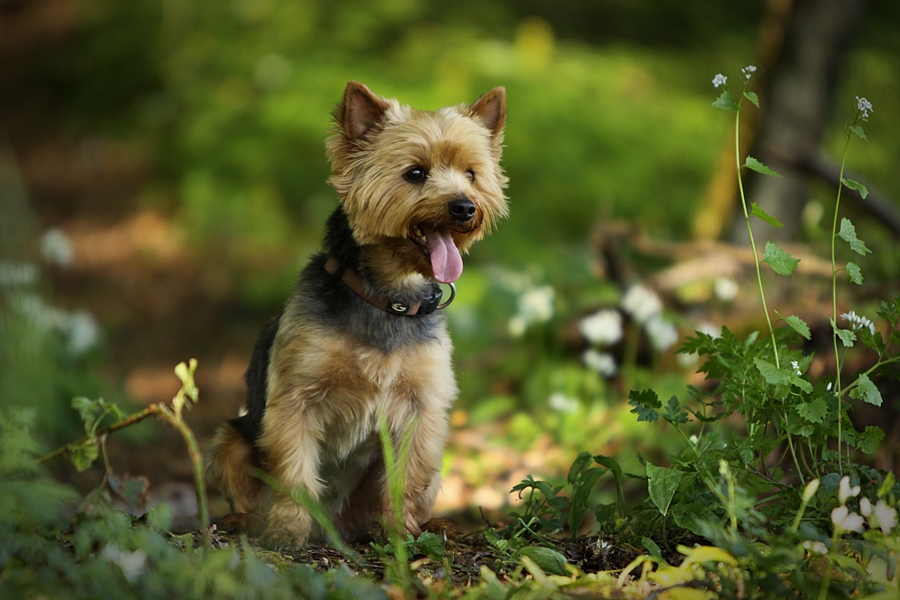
{"x":440,"y":249}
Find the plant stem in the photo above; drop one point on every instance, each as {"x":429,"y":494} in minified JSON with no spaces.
{"x":762,"y":295}
{"x":137,"y":417}
{"x":834,"y":335}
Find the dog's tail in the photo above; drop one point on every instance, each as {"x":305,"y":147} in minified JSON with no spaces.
{"x":233,"y":458}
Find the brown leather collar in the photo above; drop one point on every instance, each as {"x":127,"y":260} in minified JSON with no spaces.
{"x":394,"y":307}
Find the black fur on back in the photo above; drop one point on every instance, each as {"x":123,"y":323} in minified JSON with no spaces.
{"x":323,"y":299}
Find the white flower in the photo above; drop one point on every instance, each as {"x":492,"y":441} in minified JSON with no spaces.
{"x":857,"y":322}
{"x":725,"y":288}
{"x":603,"y":328}
{"x":865,"y":507}
{"x":719,"y":80}
{"x":602,"y":362}
{"x":815,"y":547}
{"x":562,"y":403}
{"x":885,"y":516}
{"x":516,"y":327}
{"x":82,"y":331}
{"x":56,"y":247}
{"x":15,"y":274}
{"x":828,"y":387}
{"x":661,"y":332}
{"x":844,"y":520}
{"x":748,"y":72}
{"x":864,"y":107}
{"x":641,"y":303}
{"x":536,"y":305}
{"x":796,"y":367}
{"x":131,"y":563}
{"x":810,"y":490}
{"x":845,"y":491}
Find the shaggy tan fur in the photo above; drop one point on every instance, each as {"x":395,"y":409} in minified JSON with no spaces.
{"x":326,"y":389}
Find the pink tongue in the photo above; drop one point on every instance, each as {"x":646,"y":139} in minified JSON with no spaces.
{"x":445,"y":259}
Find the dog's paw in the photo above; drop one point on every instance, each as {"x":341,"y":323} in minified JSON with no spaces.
{"x":442,"y":526}
{"x":234,"y":523}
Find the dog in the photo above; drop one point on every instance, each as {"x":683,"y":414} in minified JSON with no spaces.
{"x":363,"y":336}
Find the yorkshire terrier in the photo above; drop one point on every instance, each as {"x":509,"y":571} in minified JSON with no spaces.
{"x":363,"y":335}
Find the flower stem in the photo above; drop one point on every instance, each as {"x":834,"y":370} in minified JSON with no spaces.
{"x":762,"y":295}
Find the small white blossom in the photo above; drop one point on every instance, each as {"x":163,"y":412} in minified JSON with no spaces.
{"x":131,"y":563}
{"x":16,"y":274}
{"x":719,"y":80}
{"x":516,"y":327}
{"x":725,"y":288}
{"x":641,"y":303}
{"x":815,"y":547}
{"x":828,"y":387}
{"x":603,"y":328}
{"x":602,"y":362}
{"x":796,"y":367}
{"x":864,"y":107}
{"x":56,"y":247}
{"x":845,"y":491}
{"x":857,"y":322}
{"x":661,"y":332}
{"x":885,"y":516}
{"x":845,"y":520}
{"x":748,"y":72}
{"x":562,"y":403}
{"x":865,"y":507}
{"x":536,"y":305}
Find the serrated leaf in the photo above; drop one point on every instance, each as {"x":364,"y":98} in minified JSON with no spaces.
{"x":752,"y":97}
{"x":755,"y":165}
{"x":859,"y":132}
{"x":867,"y":391}
{"x":549,"y":561}
{"x":674,"y":413}
{"x":847,"y":336}
{"x":814,"y":411}
{"x":645,"y":404}
{"x":869,"y":439}
{"x":772,"y":374}
{"x":855,"y":273}
{"x":798,"y":325}
{"x":662,"y":486}
{"x":855,"y":185}
{"x":780,"y":261}
{"x":801,"y":383}
{"x":725,"y":101}
{"x":848,"y":234}
{"x":756,"y":211}
{"x":83,"y":454}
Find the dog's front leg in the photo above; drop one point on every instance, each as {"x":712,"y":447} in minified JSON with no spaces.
{"x":292,"y":444}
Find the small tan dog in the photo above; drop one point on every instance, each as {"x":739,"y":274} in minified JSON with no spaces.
{"x":362,"y":334}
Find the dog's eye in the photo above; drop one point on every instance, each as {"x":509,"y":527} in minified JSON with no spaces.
{"x":470,"y":174}
{"x":416,"y":175}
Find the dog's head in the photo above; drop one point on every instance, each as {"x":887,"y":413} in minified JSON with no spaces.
{"x":427,"y":184}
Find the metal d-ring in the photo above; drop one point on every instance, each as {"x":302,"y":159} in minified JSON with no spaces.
{"x":452,"y":296}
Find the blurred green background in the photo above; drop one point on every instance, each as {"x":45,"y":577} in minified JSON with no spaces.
{"x":178,"y":147}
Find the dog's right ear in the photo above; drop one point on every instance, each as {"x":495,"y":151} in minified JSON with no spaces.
{"x":359,"y":112}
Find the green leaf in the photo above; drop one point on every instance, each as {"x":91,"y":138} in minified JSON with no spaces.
{"x":859,"y":132}
{"x":755,"y":165}
{"x":798,"y":325}
{"x":772,"y":374}
{"x":756,"y":211}
{"x":848,"y":234}
{"x":725,"y":101}
{"x":674,"y":413}
{"x":780,"y":261}
{"x":869,"y":439}
{"x":662,"y":486}
{"x":431,"y":545}
{"x":582,"y":478}
{"x":653,"y":549}
{"x":550,"y":561}
{"x":847,"y":336}
{"x":84,"y":454}
{"x":645,"y":404}
{"x":752,"y":97}
{"x":814,"y":411}
{"x":855,"y":273}
{"x":613,"y":465}
{"x":855,"y":185}
{"x":867,"y":391}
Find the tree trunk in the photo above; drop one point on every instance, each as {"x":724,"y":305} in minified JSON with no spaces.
{"x":797,"y":100}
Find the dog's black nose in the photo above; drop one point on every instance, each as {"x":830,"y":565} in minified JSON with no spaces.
{"x":461,"y":209}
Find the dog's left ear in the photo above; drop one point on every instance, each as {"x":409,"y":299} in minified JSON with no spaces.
{"x":360,"y":111}
{"x":490,"y":109}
